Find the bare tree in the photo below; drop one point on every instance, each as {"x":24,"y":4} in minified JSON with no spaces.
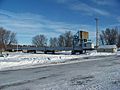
{"x":61,"y":41}
{"x":6,"y":38}
{"x":53,"y":42}
{"x":68,"y":38}
{"x":39,"y":40}
{"x":109,"y":36}
{"x":65,"y":39}
{"x":102,"y":41}
{"x":118,"y":43}
{"x":118,"y":39}
{"x":12,"y":38}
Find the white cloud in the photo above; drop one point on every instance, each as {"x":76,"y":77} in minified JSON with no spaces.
{"x":62,"y":1}
{"x":89,"y":10}
{"x":86,"y":9}
{"x":26,"y":25}
{"x":105,"y":2}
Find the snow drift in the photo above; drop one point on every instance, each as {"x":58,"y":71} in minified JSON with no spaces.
{"x":18,"y":59}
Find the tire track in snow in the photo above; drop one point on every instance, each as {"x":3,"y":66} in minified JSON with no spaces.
{"x":27,"y":81}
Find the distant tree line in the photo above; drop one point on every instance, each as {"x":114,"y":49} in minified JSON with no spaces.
{"x":7,"y":38}
{"x":64,"y":40}
{"x":110,"y":37}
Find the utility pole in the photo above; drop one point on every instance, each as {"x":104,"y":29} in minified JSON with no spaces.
{"x":97,"y":35}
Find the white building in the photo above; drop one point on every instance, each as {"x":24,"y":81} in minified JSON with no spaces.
{"x":107,"y":48}
{"x":88,"y":45}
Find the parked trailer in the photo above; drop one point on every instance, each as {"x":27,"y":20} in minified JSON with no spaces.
{"x":80,"y":45}
{"x":49,"y":49}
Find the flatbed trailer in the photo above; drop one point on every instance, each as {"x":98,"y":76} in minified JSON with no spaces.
{"x":49,"y":49}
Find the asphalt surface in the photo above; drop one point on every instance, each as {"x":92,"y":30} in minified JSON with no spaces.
{"x":73,"y":76}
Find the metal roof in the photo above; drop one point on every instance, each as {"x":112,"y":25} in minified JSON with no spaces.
{"x":107,"y":46}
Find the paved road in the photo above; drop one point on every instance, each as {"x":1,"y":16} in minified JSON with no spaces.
{"x":101,"y":74}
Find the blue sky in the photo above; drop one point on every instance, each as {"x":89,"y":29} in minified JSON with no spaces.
{"x":53,"y":17}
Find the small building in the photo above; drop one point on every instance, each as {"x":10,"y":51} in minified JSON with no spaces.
{"x":88,"y":45}
{"x":107,"y":48}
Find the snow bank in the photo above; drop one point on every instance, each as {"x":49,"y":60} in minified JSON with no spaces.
{"x":18,"y":59}
{"x":118,"y":53}
{"x":95,"y":53}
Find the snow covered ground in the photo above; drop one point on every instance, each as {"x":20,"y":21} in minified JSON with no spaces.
{"x":27,"y":59}
{"x":101,"y":73}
